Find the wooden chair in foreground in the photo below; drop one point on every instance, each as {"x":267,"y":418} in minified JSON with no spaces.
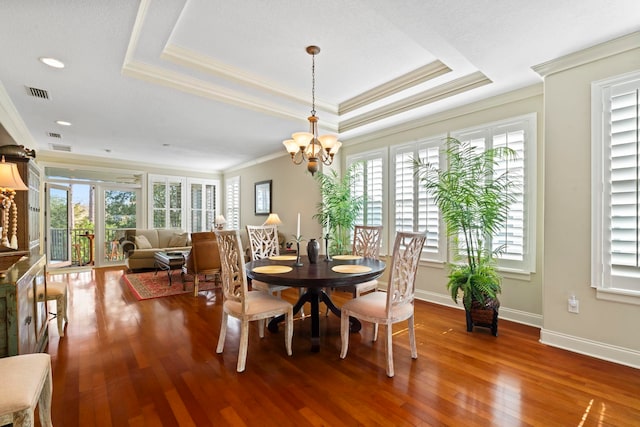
{"x":204,"y":259}
{"x":243,"y":304}
{"x":396,"y":305}
{"x":26,"y":382}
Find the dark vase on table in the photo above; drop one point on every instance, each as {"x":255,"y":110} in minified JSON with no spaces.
{"x":313,"y":249}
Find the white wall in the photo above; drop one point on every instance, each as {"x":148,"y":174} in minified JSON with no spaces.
{"x":604,"y":329}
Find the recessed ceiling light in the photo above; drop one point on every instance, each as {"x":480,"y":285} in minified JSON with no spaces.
{"x":52,"y":62}
{"x":63,"y":123}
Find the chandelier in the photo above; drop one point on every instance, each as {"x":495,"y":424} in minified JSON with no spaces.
{"x":308,"y":145}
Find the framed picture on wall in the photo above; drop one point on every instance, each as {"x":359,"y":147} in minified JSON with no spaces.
{"x":263,"y":197}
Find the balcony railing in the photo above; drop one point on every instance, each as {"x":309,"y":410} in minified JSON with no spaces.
{"x":83,"y":250}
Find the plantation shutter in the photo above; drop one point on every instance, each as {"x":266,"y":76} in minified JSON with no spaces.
{"x":624,"y":197}
{"x":510,"y":237}
{"x":415,"y":209}
{"x":369,"y":184}
{"x":233,"y":203}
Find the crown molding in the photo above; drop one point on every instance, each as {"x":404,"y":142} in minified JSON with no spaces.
{"x":406,"y":81}
{"x":254,"y":162}
{"x":481,"y":105}
{"x":591,"y":54}
{"x":157,"y":75}
{"x":446,"y":90}
{"x":191,"y":59}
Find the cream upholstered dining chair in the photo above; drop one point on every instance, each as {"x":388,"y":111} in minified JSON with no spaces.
{"x":366,"y":243}
{"x":393,"y":306}
{"x":263,"y":242}
{"x":26,"y":383}
{"x":243,"y":304}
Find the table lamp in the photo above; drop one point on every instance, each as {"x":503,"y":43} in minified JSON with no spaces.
{"x":273,"y":219}
{"x":220,"y":222}
{"x":10,"y":182}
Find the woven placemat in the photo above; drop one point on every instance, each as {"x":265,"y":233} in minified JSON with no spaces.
{"x":347,"y":257}
{"x":273,"y":269}
{"x":283,"y":258}
{"x":348,"y":268}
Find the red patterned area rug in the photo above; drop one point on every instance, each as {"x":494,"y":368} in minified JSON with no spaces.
{"x":149,"y":285}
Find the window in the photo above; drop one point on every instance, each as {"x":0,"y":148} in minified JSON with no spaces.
{"x":616,"y":187}
{"x":167,"y":200}
{"x":517,"y":236}
{"x":414,"y":208}
{"x":369,"y":185}
{"x":204,"y":203}
{"x":232,"y":198}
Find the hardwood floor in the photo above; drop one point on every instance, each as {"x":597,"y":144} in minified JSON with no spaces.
{"x":125,"y":362}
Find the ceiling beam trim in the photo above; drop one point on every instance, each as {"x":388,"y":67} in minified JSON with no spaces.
{"x":455,"y":87}
{"x":188,"y":58}
{"x":406,"y":81}
{"x":198,"y":87}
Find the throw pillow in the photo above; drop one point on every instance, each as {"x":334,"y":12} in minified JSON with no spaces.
{"x":142,"y":242}
{"x":177,"y":240}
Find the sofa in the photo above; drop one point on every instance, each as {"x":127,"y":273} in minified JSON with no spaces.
{"x":140,"y":245}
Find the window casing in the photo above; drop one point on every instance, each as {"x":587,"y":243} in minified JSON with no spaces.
{"x":232,"y":201}
{"x":616,"y":188}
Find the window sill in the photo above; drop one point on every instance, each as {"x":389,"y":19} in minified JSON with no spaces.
{"x":619,"y":295}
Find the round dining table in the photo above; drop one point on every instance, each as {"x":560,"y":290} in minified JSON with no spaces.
{"x":340,"y":271}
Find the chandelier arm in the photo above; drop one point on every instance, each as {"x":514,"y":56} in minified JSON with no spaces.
{"x":298,"y":157}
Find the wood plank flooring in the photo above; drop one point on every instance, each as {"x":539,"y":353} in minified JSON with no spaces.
{"x":125,"y":362}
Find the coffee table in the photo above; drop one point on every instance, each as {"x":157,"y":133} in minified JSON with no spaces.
{"x":168,"y":261}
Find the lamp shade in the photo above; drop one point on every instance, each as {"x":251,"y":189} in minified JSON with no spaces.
{"x":273,"y":219}
{"x":220,"y":220}
{"x":10,"y":177}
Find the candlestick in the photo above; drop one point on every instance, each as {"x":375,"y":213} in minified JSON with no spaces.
{"x":298,"y":228}
{"x":327,"y":257}
{"x":298,"y":262}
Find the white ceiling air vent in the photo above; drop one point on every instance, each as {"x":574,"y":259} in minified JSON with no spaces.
{"x":38,"y":93}
{"x":60,"y":147}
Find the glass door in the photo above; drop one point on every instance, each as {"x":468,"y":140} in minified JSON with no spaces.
{"x":119,"y":210}
{"x":59,"y":224}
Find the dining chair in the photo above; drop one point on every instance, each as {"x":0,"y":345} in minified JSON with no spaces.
{"x":245,"y":305}
{"x":366,"y":243}
{"x":263,"y":242}
{"x":396,"y":305}
{"x":203,"y":259}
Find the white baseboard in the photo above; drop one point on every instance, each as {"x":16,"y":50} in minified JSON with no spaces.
{"x":505,"y":313}
{"x":611,"y":353}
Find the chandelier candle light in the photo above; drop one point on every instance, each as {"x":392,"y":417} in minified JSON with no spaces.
{"x":308,"y":145}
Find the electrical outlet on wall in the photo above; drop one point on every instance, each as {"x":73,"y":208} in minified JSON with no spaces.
{"x":573,"y":304}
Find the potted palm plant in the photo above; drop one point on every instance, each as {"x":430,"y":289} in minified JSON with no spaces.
{"x":473,"y":198}
{"x":339,"y":208}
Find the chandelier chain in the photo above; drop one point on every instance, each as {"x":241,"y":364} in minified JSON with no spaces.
{"x":313,"y":85}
